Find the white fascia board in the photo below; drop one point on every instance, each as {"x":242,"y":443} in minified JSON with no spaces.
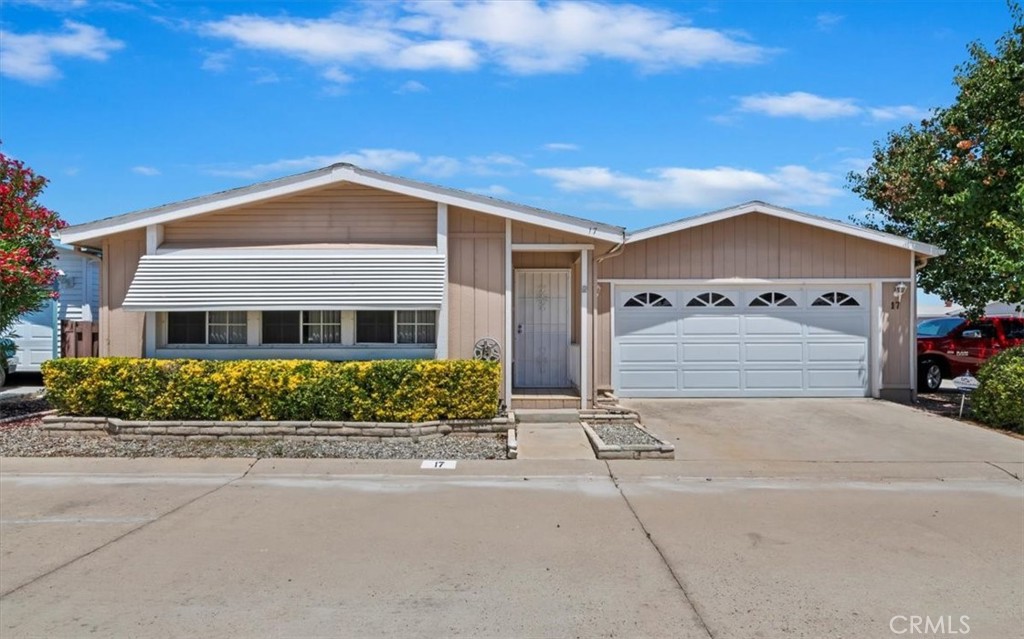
{"x":335,"y":175}
{"x":786,"y":214}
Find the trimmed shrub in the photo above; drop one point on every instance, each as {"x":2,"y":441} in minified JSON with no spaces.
{"x":377,"y":391}
{"x":999,"y":399}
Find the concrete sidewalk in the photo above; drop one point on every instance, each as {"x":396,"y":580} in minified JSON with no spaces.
{"x":239,"y":548}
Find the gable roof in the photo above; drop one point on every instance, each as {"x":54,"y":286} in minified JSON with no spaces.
{"x":343,"y":172}
{"x":336,"y":174}
{"x":756,"y":206}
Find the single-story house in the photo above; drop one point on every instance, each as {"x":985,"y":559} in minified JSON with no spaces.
{"x":37,"y":334}
{"x":348,"y":263}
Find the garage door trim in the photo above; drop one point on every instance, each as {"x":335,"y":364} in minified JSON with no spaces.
{"x":677,"y":291}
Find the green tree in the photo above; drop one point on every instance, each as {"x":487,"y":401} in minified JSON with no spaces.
{"x":957,"y":180}
{"x":26,"y":246}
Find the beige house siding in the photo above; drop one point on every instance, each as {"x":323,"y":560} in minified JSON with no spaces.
{"x":756,"y":246}
{"x":476,"y":279}
{"x":121,"y":331}
{"x":341,"y":214}
{"x":896,"y":339}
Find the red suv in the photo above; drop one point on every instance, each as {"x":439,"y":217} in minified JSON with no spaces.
{"x":949,"y":347}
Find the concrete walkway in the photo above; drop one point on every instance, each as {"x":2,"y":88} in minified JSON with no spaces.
{"x":564,"y":440}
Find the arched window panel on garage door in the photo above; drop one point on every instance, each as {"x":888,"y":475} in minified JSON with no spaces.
{"x":711,"y":298}
{"x":835,"y":298}
{"x":643,"y":300}
{"x":773,"y":299}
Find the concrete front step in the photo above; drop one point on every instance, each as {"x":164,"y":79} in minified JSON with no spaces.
{"x":546,"y":415}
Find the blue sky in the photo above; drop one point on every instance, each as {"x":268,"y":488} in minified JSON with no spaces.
{"x":631,"y":114}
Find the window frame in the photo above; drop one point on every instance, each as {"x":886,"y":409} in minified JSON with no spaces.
{"x":303,"y":324}
{"x":773,"y":299}
{"x":647,"y":299}
{"x":207,"y":324}
{"x":836,"y":299}
{"x":394,"y":328}
{"x":721,"y":301}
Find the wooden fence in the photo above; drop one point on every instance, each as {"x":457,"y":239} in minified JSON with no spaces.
{"x":79,"y":339}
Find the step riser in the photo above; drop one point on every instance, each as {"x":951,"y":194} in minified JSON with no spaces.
{"x":546,"y":416}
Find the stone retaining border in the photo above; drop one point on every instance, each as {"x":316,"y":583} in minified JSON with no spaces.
{"x":663,"y":450}
{"x":246,"y":430}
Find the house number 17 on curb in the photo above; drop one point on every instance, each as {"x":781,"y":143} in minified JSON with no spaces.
{"x":438,"y":464}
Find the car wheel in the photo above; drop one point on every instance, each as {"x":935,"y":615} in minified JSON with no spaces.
{"x":929,"y":376}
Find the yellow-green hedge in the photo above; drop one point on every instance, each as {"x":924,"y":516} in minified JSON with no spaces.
{"x":384,"y":391}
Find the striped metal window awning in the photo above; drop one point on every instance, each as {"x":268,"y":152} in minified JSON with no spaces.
{"x":286,"y":282}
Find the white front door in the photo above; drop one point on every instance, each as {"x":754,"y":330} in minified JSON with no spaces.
{"x":541,"y":335}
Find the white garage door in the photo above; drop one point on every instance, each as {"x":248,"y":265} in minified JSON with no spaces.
{"x":765,"y":341}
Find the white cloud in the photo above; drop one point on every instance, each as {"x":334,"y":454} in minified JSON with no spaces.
{"x":827,"y":21}
{"x":264,"y":76}
{"x":440,"y":166}
{"x":856,"y":164}
{"x":902,"y":112}
{"x":376,"y":159}
{"x":30,"y":57}
{"x":561,"y":146}
{"x":526,"y":37}
{"x":54,"y":5}
{"x":494,"y":190}
{"x":336,"y":76}
{"x":148,"y":171}
{"x":217,"y":62}
{"x":494,"y":164}
{"x":799,"y":104}
{"x":677,"y":187}
{"x":341,"y":41}
{"x":531,"y":37}
{"x":412,"y":86}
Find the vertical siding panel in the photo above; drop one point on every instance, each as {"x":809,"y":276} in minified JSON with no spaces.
{"x":121,"y":330}
{"x":772,"y":235}
{"x":895,"y":340}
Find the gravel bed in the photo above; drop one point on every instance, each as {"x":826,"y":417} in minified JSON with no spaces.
{"x":624,"y":435}
{"x":23,"y":405}
{"x":26,"y":439}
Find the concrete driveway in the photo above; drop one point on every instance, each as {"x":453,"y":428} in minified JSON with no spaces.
{"x":743,"y":431}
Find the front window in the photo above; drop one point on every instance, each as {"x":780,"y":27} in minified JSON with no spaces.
{"x":281,"y":327}
{"x":321,"y":327}
{"x":186,"y":328}
{"x":416,"y":327}
{"x":226,"y":327}
{"x":202,"y":327}
{"x":302,"y":327}
{"x":396,"y":327}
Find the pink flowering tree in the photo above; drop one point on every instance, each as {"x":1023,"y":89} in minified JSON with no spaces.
{"x":27,"y":273}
